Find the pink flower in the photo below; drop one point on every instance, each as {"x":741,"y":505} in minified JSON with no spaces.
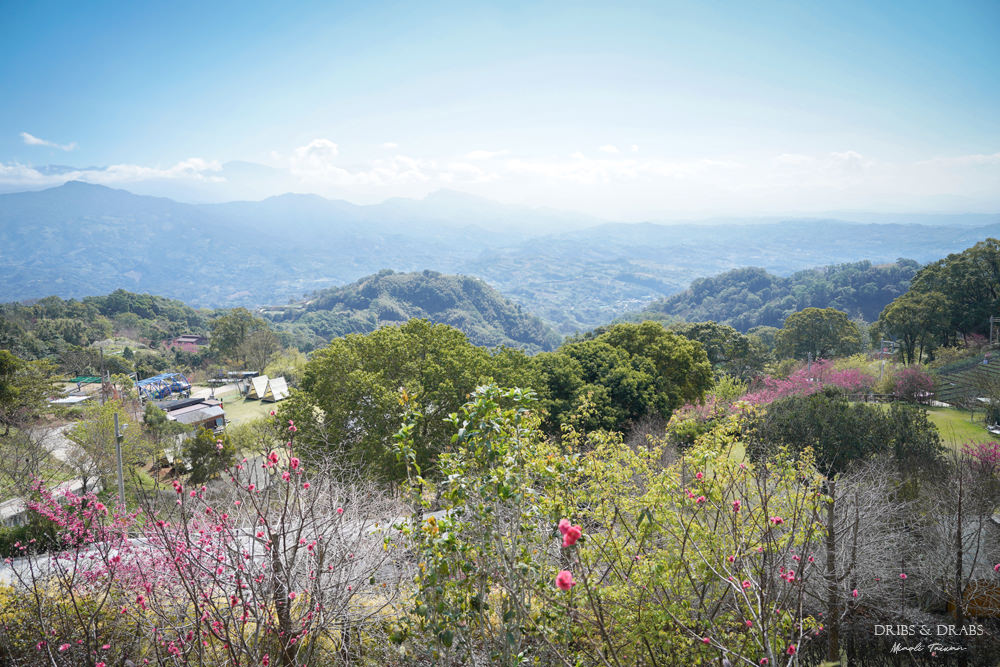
{"x":272,"y":413}
{"x":572,"y":534}
{"x":736,"y":506}
{"x":100,"y":664}
{"x":902,"y":575}
{"x":746,"y":584}
{"x":763,"y":661}
{"x":564,"y":580}
{"x":791,"y":649}
{"x":340,"y":510}
{"x":854,"y":593}
{"x":699,"y":476}
{"x":564,"y":525}
{"x":706,"y":640}
{"x":700,"y":499}
{"x":749,"y":623}
{"x":292,"y":595}
{"x":293,"y":429}
{"x":63,"y":647}
{"x":777,"y":520}
{"x":996,"y":568}
{"x":306,"y":486}
{"x":294,"y":462}
{"x":273,"y":457}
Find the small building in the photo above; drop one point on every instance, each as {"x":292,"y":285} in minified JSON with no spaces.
{"x":277,"y":390}
{"x":186,"y":342}
{"x":196,"y":413}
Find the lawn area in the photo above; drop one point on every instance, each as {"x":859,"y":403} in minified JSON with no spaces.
{"x":956,"y":429}
{"x":240,"y":411}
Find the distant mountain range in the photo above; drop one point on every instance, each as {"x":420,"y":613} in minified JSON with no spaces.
{"x":575,"y":272}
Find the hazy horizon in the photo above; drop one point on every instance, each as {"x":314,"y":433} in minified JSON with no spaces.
{"x":641,"y":111}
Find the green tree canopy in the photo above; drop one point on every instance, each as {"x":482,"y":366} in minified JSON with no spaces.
{"x":841,"y":432}
{"x":622,"y":373}
{"x":351,"y":391}
{"x":730,"y":351}
{"x":823,"y":332}
{"x":230,"y":333}
{"x":24,"y":387}
{"x":916,"y":320}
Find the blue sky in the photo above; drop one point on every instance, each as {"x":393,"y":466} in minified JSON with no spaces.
{"x":627,"y":110}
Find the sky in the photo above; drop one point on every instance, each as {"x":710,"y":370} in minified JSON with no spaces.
{"x":623,"y":110}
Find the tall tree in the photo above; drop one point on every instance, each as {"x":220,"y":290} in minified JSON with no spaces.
{"x":917,"y":320}
{"x":24,"y":386}
{"x":231,"y":331}
{"x":356,"y":383}
{"x":822,"y":332}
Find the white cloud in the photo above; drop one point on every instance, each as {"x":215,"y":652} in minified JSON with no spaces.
{"x":974,"y":160}
{"x":609,"y":148}
{"x":196,"y":169}
{"x":32,"y":140}
{"x":485,"y":155}
{"x":614,"y":185}
{"x":635,"y":148}
{"x":390,"y":145}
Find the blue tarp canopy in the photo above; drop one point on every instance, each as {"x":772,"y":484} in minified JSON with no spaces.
{"x":163,"y":385}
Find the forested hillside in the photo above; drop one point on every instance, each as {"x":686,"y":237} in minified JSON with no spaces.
{"x":466,"y":303}
{"x":750,"y":297}
{"x":46,"y":328}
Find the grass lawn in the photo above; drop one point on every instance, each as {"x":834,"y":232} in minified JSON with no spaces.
{"x":956,"y":429}
{"x":240,"y":411}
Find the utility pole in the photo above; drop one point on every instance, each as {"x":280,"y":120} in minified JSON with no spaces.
{"x":119,"y":436}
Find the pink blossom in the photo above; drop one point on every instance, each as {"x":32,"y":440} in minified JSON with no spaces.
{"x":564,"y":525}
{"x":564,"y":580}
{"x":746,"y":584}
{"x":292,"y":595}
{"x":573,"y":534}
{"x":777,"y":520}
{"x":736,"y":506}
{"x":272,"y":413}
{"x":699,"y":476}
{"x":294,"y":463}
{"x":902,"y":575}
{"x":791,"y":649}
{"x":996,"y":568}
{"x":854,"y":593}
{"x":306,"y":486}
{"x":699,"y":499}
{"x":340,"y":510}
{"x":706,"y":640}
{"x":63,"y":647}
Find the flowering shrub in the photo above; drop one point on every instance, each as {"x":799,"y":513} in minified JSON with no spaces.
{"x":258,"y":569}
{"x":806,"y":381}
{"x":913,"y":385}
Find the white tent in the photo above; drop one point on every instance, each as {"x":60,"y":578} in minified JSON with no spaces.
{"x":277,"y":390}
{"x":258,"y":387}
